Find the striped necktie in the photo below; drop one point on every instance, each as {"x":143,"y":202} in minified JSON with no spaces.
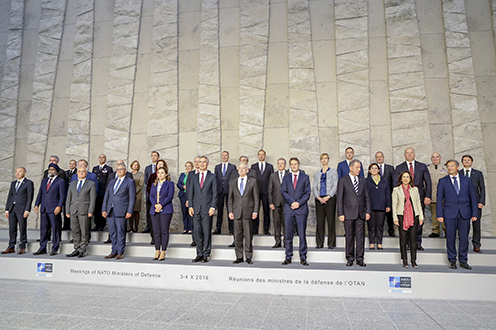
{"x":355,"y":184}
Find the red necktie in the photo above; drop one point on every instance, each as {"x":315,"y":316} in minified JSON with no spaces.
{"x":201,"y":182}
{"x":294,"y":182}
{"x":49,"y":183}
{"x":411,"y":170}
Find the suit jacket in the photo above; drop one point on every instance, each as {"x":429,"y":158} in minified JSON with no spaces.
{"x":349,"y":203}
{"x":301,"y":194}
{"x":263,"y":179}
{"x":223,"y":181}
{"x":398,"y":203}
{"x":102,"y":176}
{"x":388,"y":174}
{"x":55,"y":196}
{"x":449,"y":204}
{"x":421,"y":178}
{"x":202,"y":199}
{"x":166,"y":195}
{"x":331,"y":182}
{"x":148,"y":172}
{"x":68,"y":176}
{"x":82,"y":203}
{"x":90,"y":176}
{"x":379,"y":194}
{"x":275,"y":196}
{"x":344,"y":169}
{"x":180,"y":184}
{"x":111,"y":176}
{"x":23,"y":198}
{"x":61,"y":174}
{"x":123,"y":200}
{"x":243,"y":206}
{"x":478,"y":180}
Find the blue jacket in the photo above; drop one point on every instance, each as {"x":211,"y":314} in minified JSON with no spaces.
{"x":123,"y":200}
{"x":223,"y":181}
{"x":344,"y":169}
{"x":166,"y":195}
{"x":301,"y":194}
{"x":180,"y":184}
{"x":449,"y":204}
{"x":379,"y":195}
{"x":55,"y":196}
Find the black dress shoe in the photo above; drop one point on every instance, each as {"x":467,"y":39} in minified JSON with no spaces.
{"x":379,"y":248}
{"x":71,"y":241}
{"x":205,"y":259}
{"x":304,"y":262}
{"x":420,"y":248}
{"x":95,"y":228}
{"x":192,"y":244}
{"x":319,"y":246}
{"x":414,"y":265}
{"x":197,"y":259}
{"x":249,"y":262}
{"x":372,"y":248}
{"x":286,"y":262}
{"x":452,"y":265}
{"x":152,"y":242}
{"x":277,"y":246}
{"x":391,"y":235}
{"x":73,"y":254}
{"x":361,"y":263}
{"x":107,"y":241}
{"x":433,"y":235}
{"x":465,"y":265}
{"x":81,"y":255}
{"x":216,"y":232}
{"x":405,"y":264}
{"x":146,"y":231}
{"x":349,"y":263}
{"x":39,"y":252}
{"x":267,"y":233}
{"x":231,"y":245}
{"x":331,"y":247}
{"x":238,"y":261}
{"x":53,"y":253}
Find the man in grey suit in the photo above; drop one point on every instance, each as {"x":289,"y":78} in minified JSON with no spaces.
{"x":243,"y":205}
{"x":80,"y":205}
{"x":202,"y":199}
{"x":276,"y":202}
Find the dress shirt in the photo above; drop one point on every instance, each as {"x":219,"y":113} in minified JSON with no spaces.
{"x":82,"y":183}
{"x":452,"y":177}
{"x":408,"y":165}
{"x":244,"y":183}
{"x":352,"y":177}
{"x":297,"y":176}
{"x":469,"y":171}
{"x":117,"y":185}
{"x":381,"y":168}
{"x":260,"y":165}
{"x":159,"y":187}
{"x":281,"y":175}
{"x":222,"y":168}
{"x":19,"y":183}
{"x":200,"y":176}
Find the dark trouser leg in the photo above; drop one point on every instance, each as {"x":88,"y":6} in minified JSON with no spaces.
{"x":238,"y":238}
{"x":301,"y":222}
{"x":207,"y":234}
{"x":349,"y":228}
{"x":184,"y":211}
{"x":165,"y":220}
{"x":221,"y":200}
{"x":379,"y":226}
{"x":100,"y":221}
{"x":320,"y":214}
{"x":278,"y":217}
{"x":331,"y":222}
{"x":266,"y":210}
{"x":413,"y":233}
{"x":288,"y":237}
{"x":476,"y":226}
{"x":76,"y":230}
{"x":13,"y":229}
{"x":157,"y":230}
{"x":198,"y":234}
{"x":56,"y":222}
{"x":463,"y":231}
{"x":403,"y":235}
{"x":44,"y":221}
{"x":371,"y":225}
{"x":390,"y":222}
{"x":248,"y":234}
{"x":360,"y":238}
{"x":451,"y":229}
{"x":420,"y":227}
{"x":23,"y":224}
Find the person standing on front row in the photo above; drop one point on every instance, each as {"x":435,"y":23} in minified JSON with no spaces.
{"x":295,"y":190}
{"x":354,"y":209}
{"x":456,"y":207}
{"x":380,"y":203}
{"x":17,"y":210}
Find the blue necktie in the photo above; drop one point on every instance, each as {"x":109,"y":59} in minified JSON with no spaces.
{"x":455,"y":184}
{"x":116,"y":187}
{"x":79,"y":186}
{"x":224,"y":170}
{"x":241,"y":188}
{"x":17,"y":185}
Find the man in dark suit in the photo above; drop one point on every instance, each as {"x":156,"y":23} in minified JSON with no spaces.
{"x":54,"y":159}
{"x":223,"y":174}
{"x":102,"y":172}
{"x":80,"y":205}
{"x":480,"y":191}
{"x":344,"y":166}
{"x":118,"y":206}
{"x":276,"y":202}
{"x":387,"y":171}
{"x":68,"y":174}
{"x":353,"y":209}
{"x":295,"y":190}
{"x":51,"y":198}
{"x":263,"y":171}
{"x":155,"y":156}
{"x":421,"y":180}
{"x":456,"y":206}
{"x":202,"y":199}
{"x":243,"y":205}
{"x":17,"y":210}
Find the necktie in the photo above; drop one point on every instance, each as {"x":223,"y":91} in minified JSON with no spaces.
{"x":17,"y":185}
{"x":455,"y":184}
{"x":79,"y":186}
{"x":355,"y":184}
{"x":380,"y":170}
{"x":281,"y":177}
{"x":117,"y":184}
{"x":294,"y":182}
{"x":466,"y":173}
{"x":224,"y":170}
{"x":201,"y":182}
{"x":241,"y":187}
{"x":411,"y":170}
{"x":261,"y":168}
{"x":49,"y":183}
{"x":153,"y":167}
{"x":435,"y":167}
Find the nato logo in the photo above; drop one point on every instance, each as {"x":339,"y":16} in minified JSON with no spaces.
{"x":44,"y":267}
{"x":400,"y":282}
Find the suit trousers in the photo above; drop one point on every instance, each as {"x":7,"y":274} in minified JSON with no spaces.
{"x":117,"y":232}
{"x":420,"y":228}
{"x":187,"y":220}
{"x":202,"y":234}
{"x":462,"y":226}
{"x":326,"y":213}
{"x":243,"y":227}
{"x":290,"y":220}
{"x":55,"y":222}
{"x":476,"y":233}
{"x":436,"y":227}
{"x":375,"y":226}
{"x":354,"y":233}
{"x":390,"y":222}
{"x":412,"y":233}
{"x":266,"y":211}
{"x":161,"y":223}
{"x":80,"y":229}
{"x":16,"y":216}
{"x":99,"y":219}
{"x":278,"y":217}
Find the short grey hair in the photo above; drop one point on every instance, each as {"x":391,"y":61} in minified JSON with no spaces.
{"x":56,"y":157}
{"x":205,"y":158}
{"x":122,"y":166}
{"x":282,"y":159}
{"x":354,"y":161}
{"x":453,"y":161}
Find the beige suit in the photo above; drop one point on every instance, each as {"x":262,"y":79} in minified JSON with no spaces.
{"x":399,"y":202}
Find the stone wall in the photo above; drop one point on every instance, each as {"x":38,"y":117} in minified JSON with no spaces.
{"x":294,"y":77}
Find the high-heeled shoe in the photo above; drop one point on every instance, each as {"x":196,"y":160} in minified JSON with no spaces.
{"x":162,"y":256}
{"x":379,"y":247}
{"x":405,"y":264}
{"x":414,"y":265}
{"x":157,"y":254}
{"x":372,"y":247}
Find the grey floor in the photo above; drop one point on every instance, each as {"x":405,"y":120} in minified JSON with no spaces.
{"x":41,"y":305}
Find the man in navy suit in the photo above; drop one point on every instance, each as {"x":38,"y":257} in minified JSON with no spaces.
{"x":456,"y":206}
{"x":480,"y":191}
{"x":202,"y":199}
{"x":344,"y":166}
{"x":353,"y":209}
{"x":102,"y":171}
{"x":263,"y":171}
{"x":118,"y":206}
{"x":155,"y":156}
{"x":17,"y":210}
{"x":51,"y":198}
{"x":295,"y":190}
{"x":421,"y":179}
{"x":223,"y":174}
